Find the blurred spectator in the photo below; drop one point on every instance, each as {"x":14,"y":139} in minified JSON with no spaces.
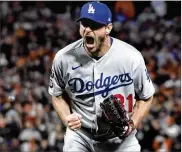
{"x":56,"y":138}
{"x":159,"y":8}
{"x":124,"y":10}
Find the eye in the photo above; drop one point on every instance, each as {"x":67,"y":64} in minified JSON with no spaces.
{"x":85,"y":24}
{"x":96,"y":26}
{"x":93,"y":25}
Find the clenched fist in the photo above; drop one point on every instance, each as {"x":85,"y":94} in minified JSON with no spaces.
{"x":74,"y":121}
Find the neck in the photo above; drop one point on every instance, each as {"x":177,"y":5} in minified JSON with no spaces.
{"x":103,"y":48}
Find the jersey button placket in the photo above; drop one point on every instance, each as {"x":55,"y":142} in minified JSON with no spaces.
{"x":96,"y":96}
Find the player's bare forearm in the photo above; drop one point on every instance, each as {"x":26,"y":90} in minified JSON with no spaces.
{"x":61,"y":107}
{"x":71,"y":120}
{"x":140,"y":110}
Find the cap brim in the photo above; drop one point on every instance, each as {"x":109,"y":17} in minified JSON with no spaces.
{"x":90,"y":19}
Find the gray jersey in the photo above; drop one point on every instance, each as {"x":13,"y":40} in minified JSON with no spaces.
{"x":121,"y":72}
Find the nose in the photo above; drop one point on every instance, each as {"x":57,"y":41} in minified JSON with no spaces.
{"x":88,"y":29}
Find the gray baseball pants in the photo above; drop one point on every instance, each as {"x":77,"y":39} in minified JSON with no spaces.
{"x":78,"y":141}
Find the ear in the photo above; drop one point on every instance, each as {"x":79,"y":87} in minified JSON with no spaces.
{"x":107,"y":31}
{"x":108,"y":28}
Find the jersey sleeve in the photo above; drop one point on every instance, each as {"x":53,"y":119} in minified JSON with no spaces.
{"x":56,"y":82}
{"x":143,"y":85}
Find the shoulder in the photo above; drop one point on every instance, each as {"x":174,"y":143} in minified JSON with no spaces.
{"x":68,"y":49}
{"x":126,"y":50}
{"x":127,"y":54}
{"x":124,"y":47}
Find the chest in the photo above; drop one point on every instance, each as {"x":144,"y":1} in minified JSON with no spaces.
{"x":98,"y":77}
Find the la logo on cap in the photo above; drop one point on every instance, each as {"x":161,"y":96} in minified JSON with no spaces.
{"x":91,"y":9}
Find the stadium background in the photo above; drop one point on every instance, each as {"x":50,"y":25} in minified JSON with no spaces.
{"x":31,"y":34}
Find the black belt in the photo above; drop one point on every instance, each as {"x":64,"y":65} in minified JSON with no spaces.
{"x":98,"y":136}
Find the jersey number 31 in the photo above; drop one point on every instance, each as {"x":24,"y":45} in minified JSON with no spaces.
{"x":129,"y":99}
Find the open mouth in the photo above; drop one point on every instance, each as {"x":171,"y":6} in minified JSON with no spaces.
{"x":89,"y":40}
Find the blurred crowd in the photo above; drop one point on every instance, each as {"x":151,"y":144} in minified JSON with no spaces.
{"x":30,"y":37}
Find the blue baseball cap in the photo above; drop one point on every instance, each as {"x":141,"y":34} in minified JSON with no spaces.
{"x":97,"y":12}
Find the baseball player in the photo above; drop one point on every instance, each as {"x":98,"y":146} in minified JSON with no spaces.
{"x":89,"y":71}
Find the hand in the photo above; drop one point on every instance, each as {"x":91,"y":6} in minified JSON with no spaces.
{"x":130,"y":129}
{"x":74,"y":121}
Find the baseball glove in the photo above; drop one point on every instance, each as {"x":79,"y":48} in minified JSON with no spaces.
{"x":116,"y":115}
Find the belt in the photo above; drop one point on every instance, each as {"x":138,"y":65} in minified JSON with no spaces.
{"x":109,"y":134}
